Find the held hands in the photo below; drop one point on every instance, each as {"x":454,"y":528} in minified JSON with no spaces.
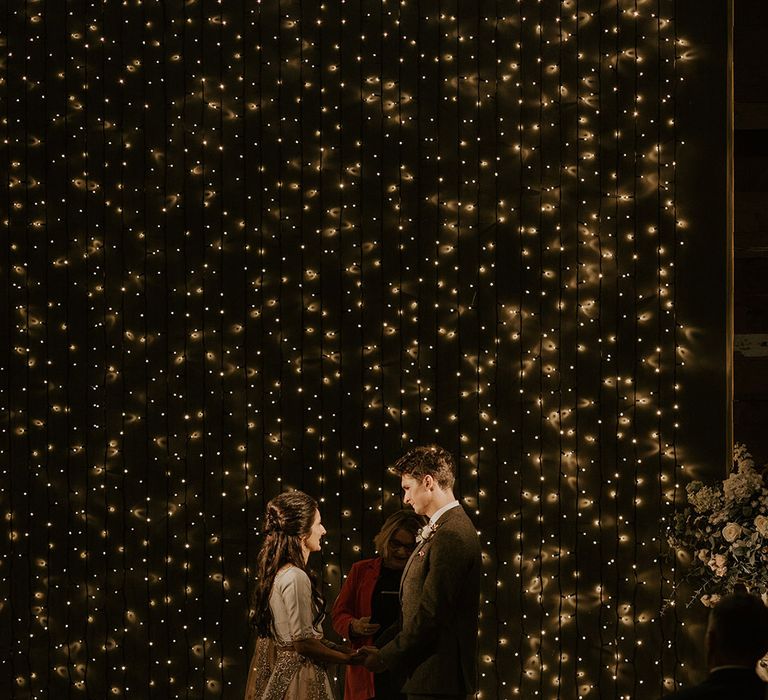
{"x":363,"y":627}
{"x":357,"y":658}
{"x":371,"y":659}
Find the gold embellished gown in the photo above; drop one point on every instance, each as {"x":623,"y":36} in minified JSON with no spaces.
{"x":277,"y":672}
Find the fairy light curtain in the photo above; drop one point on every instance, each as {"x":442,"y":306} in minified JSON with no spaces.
{"x":253,"y":246}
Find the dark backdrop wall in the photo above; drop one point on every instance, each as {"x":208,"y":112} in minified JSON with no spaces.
{"x":264,"y":245}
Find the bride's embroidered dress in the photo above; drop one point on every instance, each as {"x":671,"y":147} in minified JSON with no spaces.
{"x":278,"y":671}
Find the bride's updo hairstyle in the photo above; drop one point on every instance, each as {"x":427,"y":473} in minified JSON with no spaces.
{"x":288,"y":520}
{"x":290,"y":514}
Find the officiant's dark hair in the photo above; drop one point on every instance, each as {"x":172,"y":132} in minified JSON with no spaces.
{"x":428,"y":459}
{"x":288,"y":519}
{"x":738,"y":628}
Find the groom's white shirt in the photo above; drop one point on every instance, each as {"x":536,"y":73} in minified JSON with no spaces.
{"x":436,"y":515}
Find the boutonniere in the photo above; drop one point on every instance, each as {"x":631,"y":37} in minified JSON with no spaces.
{"x":425,"y":533}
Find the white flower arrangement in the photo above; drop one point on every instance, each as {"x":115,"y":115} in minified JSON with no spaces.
{"x":725,"y":530}
{"x":426,"y":532}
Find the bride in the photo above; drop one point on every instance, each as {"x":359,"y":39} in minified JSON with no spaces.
{"x":289,"y":660}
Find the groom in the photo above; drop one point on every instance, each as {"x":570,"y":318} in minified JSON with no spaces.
{"x":434,"y":651}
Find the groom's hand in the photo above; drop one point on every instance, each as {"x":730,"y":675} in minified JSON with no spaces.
{"x":372,"y":660}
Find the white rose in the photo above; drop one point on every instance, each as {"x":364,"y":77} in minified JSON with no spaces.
{"x":720,"y":561}
{"x":731,"y":531}
{"x":718,"y":564}
{"x":761,"y":525}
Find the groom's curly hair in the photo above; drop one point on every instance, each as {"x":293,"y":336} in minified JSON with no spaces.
{"x":428,"y":459}
{"x":738,"y":628}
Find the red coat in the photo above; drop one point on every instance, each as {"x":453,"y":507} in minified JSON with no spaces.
{"x":354,"y":601}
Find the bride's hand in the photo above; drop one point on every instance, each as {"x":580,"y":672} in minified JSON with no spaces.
{"x":358,"y":657}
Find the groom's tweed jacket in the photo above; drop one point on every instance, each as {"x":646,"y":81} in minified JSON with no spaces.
{"x":435,"y":651}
